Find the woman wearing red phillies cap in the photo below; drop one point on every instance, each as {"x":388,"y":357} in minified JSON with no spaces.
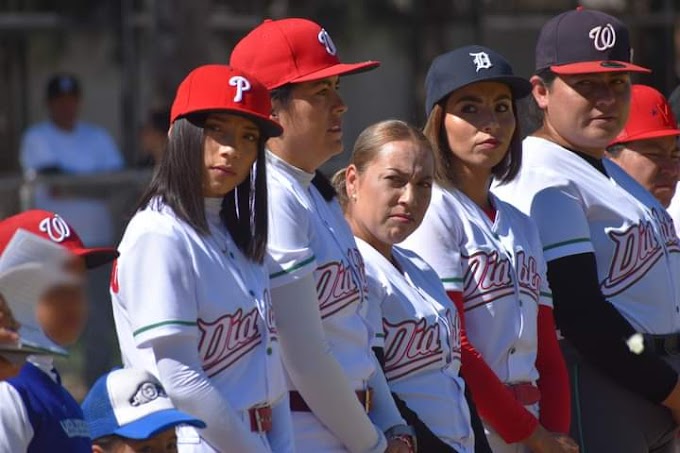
{"x":612,"y":259}
{"x":317,"y":273}
{"x":190,"y":292}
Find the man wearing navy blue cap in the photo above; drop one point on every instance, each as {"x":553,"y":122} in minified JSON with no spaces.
{"x":127,"y":410}
{"x":610,"y":248}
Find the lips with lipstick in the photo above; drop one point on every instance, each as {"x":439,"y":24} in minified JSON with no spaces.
{"x":489,"y":143}
{"x":224,"y":170}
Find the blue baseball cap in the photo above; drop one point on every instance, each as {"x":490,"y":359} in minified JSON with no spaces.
{"x":585,"y":41}
{"x":131,"y":403}
{"x":468,"y":65}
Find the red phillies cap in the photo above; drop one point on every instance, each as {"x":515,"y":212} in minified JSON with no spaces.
{"x":50,"y":226}
{"x":292,"y":50}
{"x":215,"y":87}
{"x":650,"y":116}
{"x":585,"y":41}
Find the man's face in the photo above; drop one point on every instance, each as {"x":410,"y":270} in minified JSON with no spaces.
{"x":654,"y":163}
{"x":64,"y":110}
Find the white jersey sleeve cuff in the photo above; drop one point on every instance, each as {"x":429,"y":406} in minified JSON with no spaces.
{"x":285,"y":268}
{"x":162,"y":329}
{"x":567,"y":248}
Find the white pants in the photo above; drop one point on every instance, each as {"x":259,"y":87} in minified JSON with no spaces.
{"x":278,"y":440}
{"x":498,"y":445}
{"x":311,"y":436}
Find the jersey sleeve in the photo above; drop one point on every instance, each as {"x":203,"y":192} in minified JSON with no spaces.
{"x":157,"y":284}
{"x":437,"y":241}
{"x":561,"y":222}
{"x":289,"y":242}
{"x":16,"y":428}
{"x":377,"y":293}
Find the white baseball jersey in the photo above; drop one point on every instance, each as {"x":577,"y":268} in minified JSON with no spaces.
{"x":578,"y":209}
{"x":421,"y":332}
{"x":203,"y":288}
{"x":309,"y":234}
{"x":674,"y":208}
{"x":499,"y":268}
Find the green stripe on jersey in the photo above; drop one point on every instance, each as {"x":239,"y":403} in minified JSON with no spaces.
{"x":548,"y":295}
{"x":293,"y":268}
{"x":452,"y":280}
{"x":161,"y":324}
{"x":560,"y":244}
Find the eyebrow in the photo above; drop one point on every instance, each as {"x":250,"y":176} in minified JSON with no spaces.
{"x":477,"y":99}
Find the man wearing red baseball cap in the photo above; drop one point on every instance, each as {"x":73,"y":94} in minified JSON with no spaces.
{"x":317,"y":276}
{"x":647,"y":147}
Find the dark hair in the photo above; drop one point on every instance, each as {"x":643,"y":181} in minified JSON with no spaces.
{"x":532,"y":115}
{"x":283,"y":95}
{"x":368,"y":145}
{"x":505,"y":171}
{"x":178,"y":183}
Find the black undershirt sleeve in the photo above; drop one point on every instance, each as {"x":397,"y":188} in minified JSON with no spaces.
{"x":599,"y":332}
{"x":427,"y":440}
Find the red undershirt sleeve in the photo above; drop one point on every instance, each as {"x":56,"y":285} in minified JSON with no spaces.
{"x":496,"y":405}
{"x":554,"y":380}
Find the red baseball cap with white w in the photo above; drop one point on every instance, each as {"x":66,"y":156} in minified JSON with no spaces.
{"x":650,"y":117}
{"x":292,"y":50}
{"x":51,"y":226}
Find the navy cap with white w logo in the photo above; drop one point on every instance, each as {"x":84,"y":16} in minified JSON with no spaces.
{"x":585,"y":41}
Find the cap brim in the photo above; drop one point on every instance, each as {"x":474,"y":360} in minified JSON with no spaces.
{"x":95,"y":257}
{"x":269,"y":127}
{"x":341,"y":69}
{"x":590,"y":67}
{"x":157,"y":422}
{"x":647,"y":136}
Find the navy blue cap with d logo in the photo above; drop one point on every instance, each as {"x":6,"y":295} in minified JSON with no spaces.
{"x":585,"y":41}
{"x":467,"y":65}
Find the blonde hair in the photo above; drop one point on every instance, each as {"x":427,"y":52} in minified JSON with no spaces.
{"x":368,"y":145}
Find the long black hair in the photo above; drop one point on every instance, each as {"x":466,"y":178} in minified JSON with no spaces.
{"x":178,"y":183}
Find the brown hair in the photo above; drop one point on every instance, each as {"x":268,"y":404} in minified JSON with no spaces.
{"x":368,"y":145}
{"x":434,"y":130}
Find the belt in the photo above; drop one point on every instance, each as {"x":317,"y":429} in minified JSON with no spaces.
{"x":298,"y":404}
{"x":525,"y":392}
{"x":663,"y":344}
{"x":260,"y":419}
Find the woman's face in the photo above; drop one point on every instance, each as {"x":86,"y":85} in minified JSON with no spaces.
{"x":585,"y":111}
{"x":387,"y":202}
{"x":479,"y":124}
{"x":312,"y":121}
{"x":229,"y":150}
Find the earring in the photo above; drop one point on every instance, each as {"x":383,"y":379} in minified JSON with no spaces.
{"x":354,"y":197}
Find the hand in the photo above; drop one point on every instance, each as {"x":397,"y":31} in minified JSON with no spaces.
{"x":398,"y":446}
{"x":567,"y":443}
{"x":543,"y":441}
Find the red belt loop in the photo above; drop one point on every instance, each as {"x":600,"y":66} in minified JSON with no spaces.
{"x":298,"y":404}
{"x":525,"y":392}
{"x":260,"y":419}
